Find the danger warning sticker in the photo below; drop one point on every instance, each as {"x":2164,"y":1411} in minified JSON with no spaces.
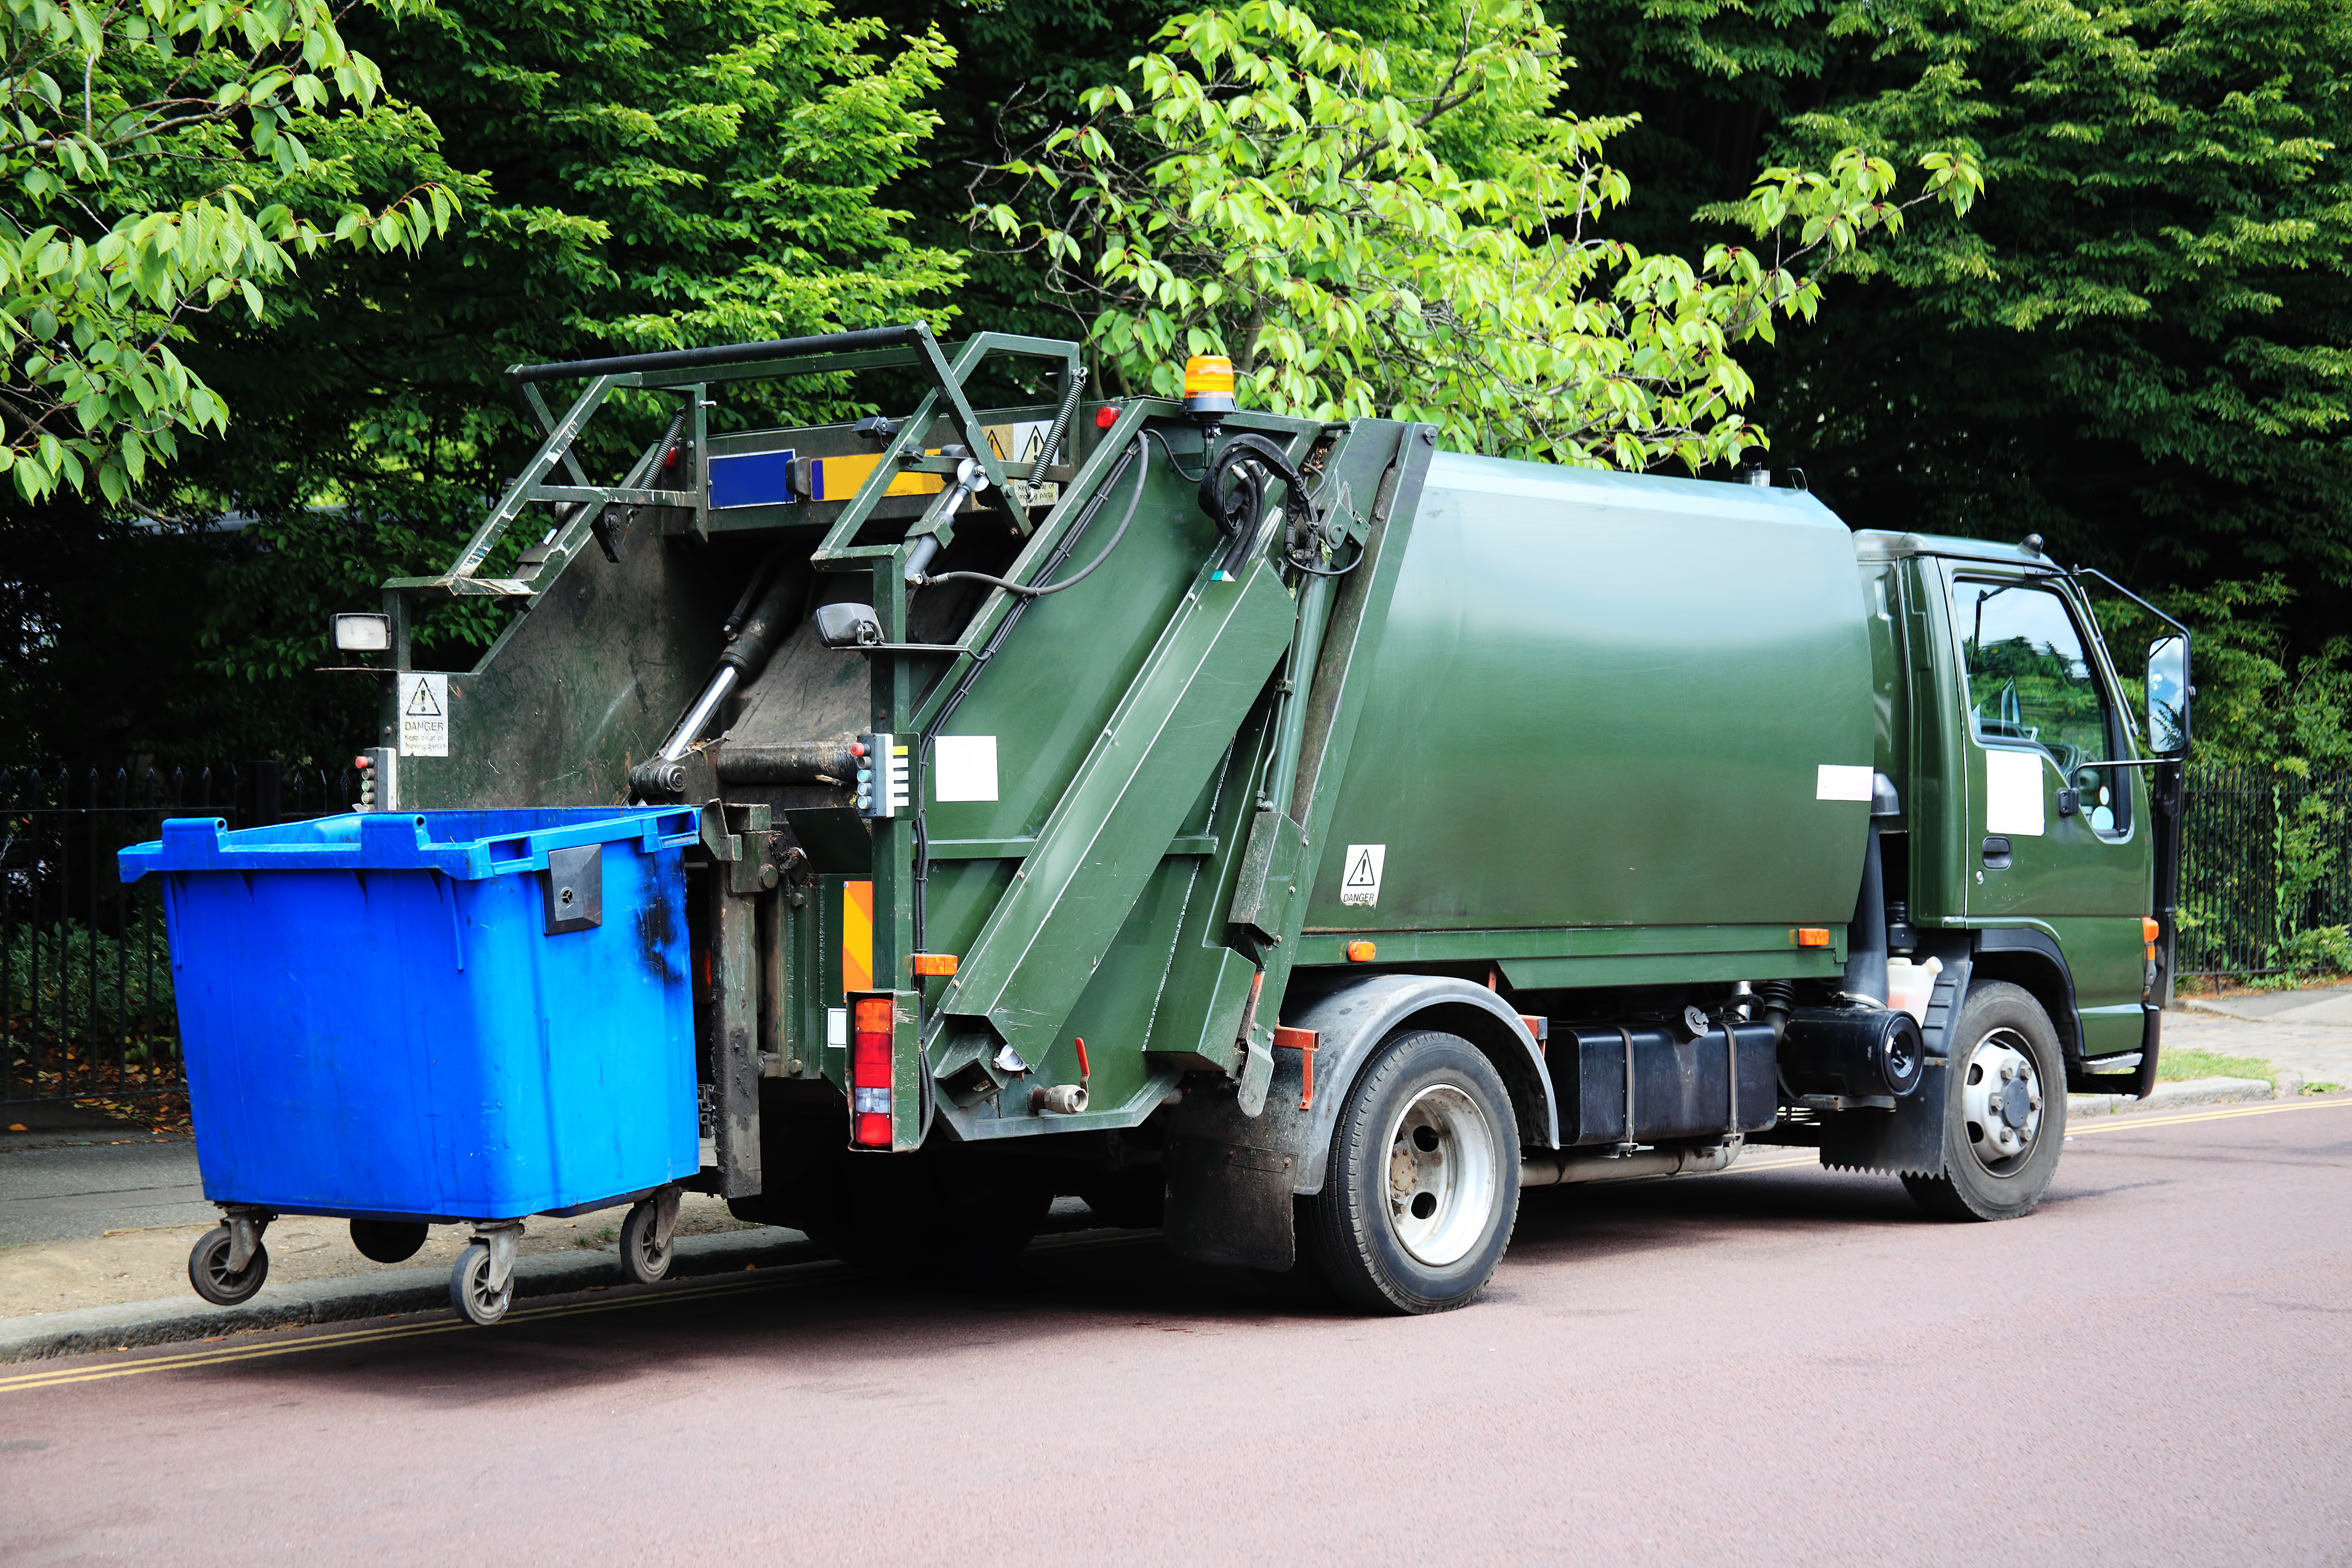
{"x":424,"y":714}
{"x":1360,"y":875}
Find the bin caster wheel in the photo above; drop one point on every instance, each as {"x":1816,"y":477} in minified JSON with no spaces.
{"x":387,"y":1240}
{"x":646,"y":1253}
{"x":209,"y":1272}
{"x":469,"y":1287}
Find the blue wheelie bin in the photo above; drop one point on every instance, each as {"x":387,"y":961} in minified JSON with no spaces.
{"x":420,"y":1018}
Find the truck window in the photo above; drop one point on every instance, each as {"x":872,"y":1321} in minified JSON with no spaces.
{"x":2029,"y":682}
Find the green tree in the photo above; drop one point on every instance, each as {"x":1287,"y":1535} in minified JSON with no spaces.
{"x":1279,"y":191}
{"x":2137,"y":345}
{"x":161,"y":160}
{"x":638,"y":173}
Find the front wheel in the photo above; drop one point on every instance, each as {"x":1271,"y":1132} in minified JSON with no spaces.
{"x":2004,"y":1109}
{"x":1423,"y":1186}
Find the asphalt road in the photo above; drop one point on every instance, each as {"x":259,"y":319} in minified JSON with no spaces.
{"x":1775,"y":1365}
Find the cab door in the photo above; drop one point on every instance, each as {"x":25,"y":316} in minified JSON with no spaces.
{"x":2060,"y":838}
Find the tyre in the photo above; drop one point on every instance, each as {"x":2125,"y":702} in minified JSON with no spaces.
{"x":2004,"y":1109}
{"x":208,"y":1270}
{"x":1421,"y":1188}
{"x":388,"y":1241}
{"x":469,"y":1287}
{"x":644,"y":1257}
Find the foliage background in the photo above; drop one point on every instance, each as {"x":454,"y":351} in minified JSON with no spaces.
{"x":2136,"y":344}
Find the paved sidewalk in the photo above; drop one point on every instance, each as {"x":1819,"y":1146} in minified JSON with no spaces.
{"x":2290,"y":1038}
{"x":2327,"y":1005}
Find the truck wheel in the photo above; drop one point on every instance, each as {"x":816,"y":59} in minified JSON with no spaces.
{"x":387,"y":1240}
{"x":2004,"y":1109}
{"x":208,"y":1270}
{"x":1422,"y":1185}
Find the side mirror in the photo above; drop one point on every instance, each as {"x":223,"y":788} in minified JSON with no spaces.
{"x":2169,"y":692}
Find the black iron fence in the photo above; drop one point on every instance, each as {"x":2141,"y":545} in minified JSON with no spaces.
{"x":2266,"y":875}
{"x":87,"y":1010}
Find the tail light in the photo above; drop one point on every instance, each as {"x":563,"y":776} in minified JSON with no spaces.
{"x":870,"y":1074}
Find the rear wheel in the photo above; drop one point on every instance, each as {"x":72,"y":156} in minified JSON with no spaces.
{"x":1421,"y":1188}
{"x":2004,"y":1109}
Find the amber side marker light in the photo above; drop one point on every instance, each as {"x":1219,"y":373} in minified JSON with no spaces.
{"x":935,"y":965}
{"x":1360,"y":951}
{"x":1813,"y":936}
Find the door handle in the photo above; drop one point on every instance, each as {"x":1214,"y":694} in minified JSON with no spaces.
{"x":1996,"y":852}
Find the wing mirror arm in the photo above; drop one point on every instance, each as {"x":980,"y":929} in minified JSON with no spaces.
{"x":2169,"y":689}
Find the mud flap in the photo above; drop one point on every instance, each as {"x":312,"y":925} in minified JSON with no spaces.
{"x":1908,"y":1140}
{"x":1230,"y":1176}
{"x":1230,"y":1204}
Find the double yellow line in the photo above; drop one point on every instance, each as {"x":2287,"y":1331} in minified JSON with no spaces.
{"x":800,"y":1274}
{"x":2125,"y":1121}
{"x":59,"y":1376}
{"x":2130,"y":1119}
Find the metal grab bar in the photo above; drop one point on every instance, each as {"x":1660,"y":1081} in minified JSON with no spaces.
{"x":725,"y":354}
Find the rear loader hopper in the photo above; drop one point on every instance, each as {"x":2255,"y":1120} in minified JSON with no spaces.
{"x":1288,"y":834}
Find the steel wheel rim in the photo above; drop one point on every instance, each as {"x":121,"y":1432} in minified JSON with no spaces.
{"x":2001,"y":1102}
{"x":1442,"y":1176}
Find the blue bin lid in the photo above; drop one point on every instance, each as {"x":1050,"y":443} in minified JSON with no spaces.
{"x":466,"y":845}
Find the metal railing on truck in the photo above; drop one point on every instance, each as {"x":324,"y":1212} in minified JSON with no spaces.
{"x":86,"y":1000}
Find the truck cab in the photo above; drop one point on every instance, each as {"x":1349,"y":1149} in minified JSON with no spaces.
{"x":2032,"y":845}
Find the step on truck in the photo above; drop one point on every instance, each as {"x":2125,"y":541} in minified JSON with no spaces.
{"x":1292,"y":835}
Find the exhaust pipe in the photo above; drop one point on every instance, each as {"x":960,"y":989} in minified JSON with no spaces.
{"x":1565,"y":1167}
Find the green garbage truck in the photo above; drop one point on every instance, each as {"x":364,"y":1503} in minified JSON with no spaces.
{"x":1292,"y":835}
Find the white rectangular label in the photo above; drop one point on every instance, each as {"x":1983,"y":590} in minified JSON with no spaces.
{"x":1360,"y":875}
{"x":963,"y":768}
{"x":2013,"y":792}
{"x":423,"y":714}
{"x":836,"y":1028}
{"x":1835,"y":781}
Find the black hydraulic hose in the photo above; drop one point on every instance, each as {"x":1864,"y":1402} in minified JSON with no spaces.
{"x":1142,"y":475}
{"x":766,"y":570}
{"x":1151,"y":434}
{"x":980,"y":661}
